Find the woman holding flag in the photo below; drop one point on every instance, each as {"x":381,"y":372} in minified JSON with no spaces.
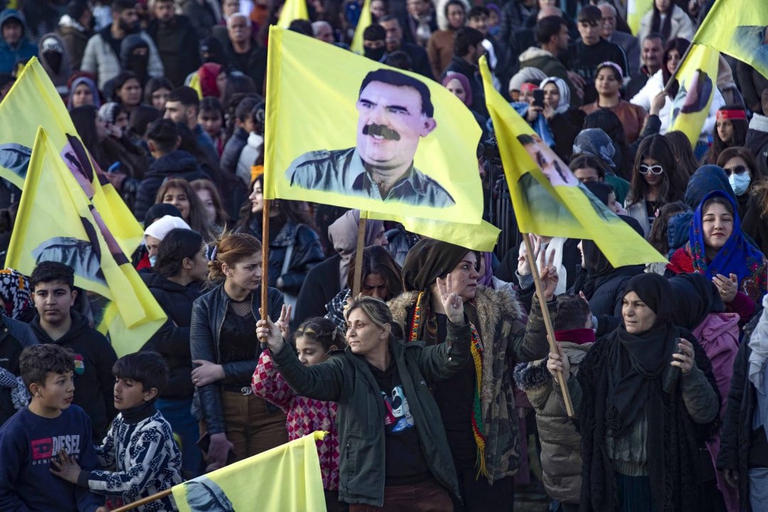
{"x":477,"y":404}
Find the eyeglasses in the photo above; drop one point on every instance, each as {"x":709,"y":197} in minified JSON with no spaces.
{"x":651,"y":169}
{"x":739,"y":169}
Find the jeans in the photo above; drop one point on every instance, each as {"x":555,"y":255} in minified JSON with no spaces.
{"x":177,"y":413}
{"x":758,"y":488}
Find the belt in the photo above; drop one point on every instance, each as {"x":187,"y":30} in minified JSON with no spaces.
{"x":244,"y":390}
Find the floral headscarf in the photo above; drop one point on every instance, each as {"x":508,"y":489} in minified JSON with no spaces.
{"x":15,"y":292}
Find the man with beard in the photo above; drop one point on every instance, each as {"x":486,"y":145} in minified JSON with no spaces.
{"x":176,"y":41}
{"x":395,"y":111}
{"x":102,"y":54}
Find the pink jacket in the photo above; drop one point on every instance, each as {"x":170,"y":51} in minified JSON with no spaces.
{"x":719,"y":336}
{"x":303,"y":416}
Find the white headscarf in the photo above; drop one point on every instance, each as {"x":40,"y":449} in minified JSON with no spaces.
{"x":164,"y":225}
{"x":565,"y":93}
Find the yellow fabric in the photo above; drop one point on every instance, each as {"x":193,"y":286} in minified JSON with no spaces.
{"x":313,"y":109}
{"x":56,"y":221}
{"x":284,"y":479}
{"x":551,"y":201}
{"x":699,"y":73}
{"x":636,"y":9}
{"x":33,"y":102}
{"x":194,"y":83}
{"x":735,"y":27}
{"x":365,"y":20}
{"x":292,"y":10}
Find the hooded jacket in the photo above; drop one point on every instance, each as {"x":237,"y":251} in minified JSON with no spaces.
{"x":177,"y":45}
{"x":535,"y":57}
{"x":94,"y":358}
{"x":176,"y":164}
{"x":75,"y":38}
{"x":61,"y":77}
{"x":13,"y":55}
{"x":101,"y":60}
{"x":172,"y":340}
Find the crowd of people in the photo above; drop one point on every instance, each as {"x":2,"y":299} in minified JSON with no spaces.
{"x":436,"y":384}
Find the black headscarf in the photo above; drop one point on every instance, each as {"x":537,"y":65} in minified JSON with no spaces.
{"x":428,"y":260}
{"x":599,"y":269}
{"x":640,"y":357}
{"x":159,"y":210}
{"x":695,"y":297}
{"x":601,"y":190}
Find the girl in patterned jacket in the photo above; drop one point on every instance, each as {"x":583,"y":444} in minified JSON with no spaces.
{"x":314,"y":340}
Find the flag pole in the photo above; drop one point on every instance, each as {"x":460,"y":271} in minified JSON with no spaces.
{"x":547,"y":320}
{"x":359,"y":255}
{"x":265,"y":263}
{"x":144,"y":501}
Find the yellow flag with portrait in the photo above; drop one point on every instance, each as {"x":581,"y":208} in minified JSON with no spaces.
{"x":697,"y":79}
{"x":57,"y":221}
{"x":547,"y":198}
{"x":345,"y":130}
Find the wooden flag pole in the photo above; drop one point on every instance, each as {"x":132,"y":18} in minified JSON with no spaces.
{"x":547,"y":320}
{"x":143,"y":501}
{"x":265,"y":264}
{"x":356,"y":284}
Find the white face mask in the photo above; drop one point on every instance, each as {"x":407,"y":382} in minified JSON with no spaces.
{"x":152,"y":260}
{"x":739,"y":182}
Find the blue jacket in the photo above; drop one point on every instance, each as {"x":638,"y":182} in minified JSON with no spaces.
{"x":22,"y":51}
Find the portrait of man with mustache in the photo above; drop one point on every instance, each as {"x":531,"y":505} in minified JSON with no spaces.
{"x":395,"y":112}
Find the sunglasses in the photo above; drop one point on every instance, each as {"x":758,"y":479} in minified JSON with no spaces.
{"x":739,"y":169}
{"x":651,"y":169}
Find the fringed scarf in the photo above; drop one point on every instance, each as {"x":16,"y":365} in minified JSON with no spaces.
{"x":422,"y":311}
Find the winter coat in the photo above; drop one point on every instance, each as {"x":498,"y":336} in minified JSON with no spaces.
{"x":632,"y":117}
{"x":75,"y":38}
{"x":505,"y":338}
{"x":303,"y":416}
{"x":631,"y":46}
{"x":607,"y":297}
{"x":176,"y":164}
{"x":459,"y":65}
{"x":440,"y":50}
{"x":535,"y":57}
{"x":655,"y":85}
{"x":252,"y":150}
{"x":639,"y":212}
{"x":752,"y":85}
{"x":22,"y":51}
{"x":179,"y":52}
{"x":15,"y":336}
{"x":101,"y":60}
{"x":94,"y":358}
{"x":680,"y":25}
{"x":560,"y":443}
{"x":321,"y":284}
{"x":306,"y":253}
{"x":203,"y":16}
{"x":347,"y":379}
{"x":736,"y":433}
{"x":65,"y":68}
{"x":172,"y":340}
{"x":232,"y":150}
{"x":208,"y":313}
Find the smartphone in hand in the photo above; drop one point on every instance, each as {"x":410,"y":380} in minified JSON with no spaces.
{"x":538,"y":98}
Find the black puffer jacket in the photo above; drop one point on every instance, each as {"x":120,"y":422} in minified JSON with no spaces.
{"x":94,"y":359}
{"x":306,"y":253}
{"x":176,"y":164}
{"x":172,"y":340}
{"x":208,"y":314}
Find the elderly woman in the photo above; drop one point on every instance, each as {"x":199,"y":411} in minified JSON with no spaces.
{"x":646,"y":402}
{"x":718,"y":249}
{"x":393,"y":448}
{"x":477,"y":404}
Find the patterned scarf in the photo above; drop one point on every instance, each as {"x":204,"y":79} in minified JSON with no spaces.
{"x":15,"y":292}
{"x":476,"y":349}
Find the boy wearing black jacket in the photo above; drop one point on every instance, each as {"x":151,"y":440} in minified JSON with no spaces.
{"x":54,"y":294}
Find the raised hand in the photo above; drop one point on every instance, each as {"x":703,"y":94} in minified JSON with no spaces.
{"x":452,"y":303}
{"x":727,"y":287}
{"x":684,"y":358}
{"x":268,"y":331}
{"x":523,"y":268}
{"x":283,"y":323}
{"x":548,"y":274}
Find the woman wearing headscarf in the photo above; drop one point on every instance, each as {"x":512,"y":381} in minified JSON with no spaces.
{"x":743,"y":454}
{"x":718,"y":249}
{"x":458,"y":85}
{"x":477,"y":405}
{"x":328,"y":278}
{"x":646,"y":402}
{"x":563,"y":121}
{"x":83,"y":92}
{"x":698,"y":308}
{"x":595,"y":142}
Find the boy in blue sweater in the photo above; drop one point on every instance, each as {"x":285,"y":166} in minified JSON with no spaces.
{"x":31,"y":439}
{"x":139,"y":451}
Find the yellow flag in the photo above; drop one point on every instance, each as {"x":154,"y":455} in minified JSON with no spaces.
{"x":284,"y":479}
{"x":548,"y":199}
{"x":365,"y":20}
{"x":738,"y":28}
{"x":697,"y":78}
{"x":636,"y":9}
{"x":292,"y":10}
{"x":345,"y":130}
{"x":57,"y":222}
{"x":33,"y":102}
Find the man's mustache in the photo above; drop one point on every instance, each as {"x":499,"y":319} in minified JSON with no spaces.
{"x":381,"y":131}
